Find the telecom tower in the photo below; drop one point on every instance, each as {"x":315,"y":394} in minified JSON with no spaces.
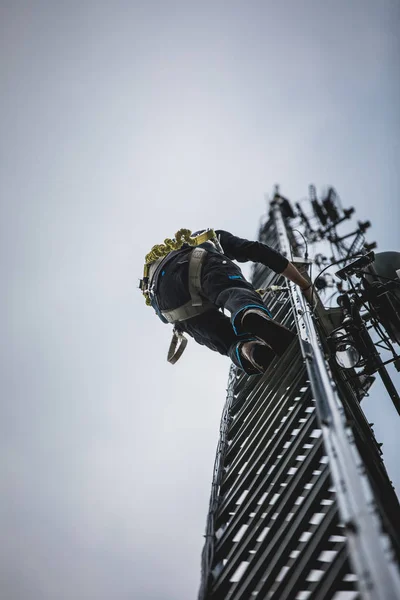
{"x":301,"y":505}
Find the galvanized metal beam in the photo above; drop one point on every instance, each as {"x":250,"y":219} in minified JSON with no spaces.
{"x":295,"y":509}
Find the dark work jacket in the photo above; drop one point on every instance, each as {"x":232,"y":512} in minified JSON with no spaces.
{"x":243,"y":250}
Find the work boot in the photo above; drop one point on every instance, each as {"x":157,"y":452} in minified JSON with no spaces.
{"x":258,"y":354}
{"x":257,"y":322}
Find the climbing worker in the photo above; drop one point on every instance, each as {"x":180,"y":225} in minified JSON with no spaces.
{"x":189,"y":279}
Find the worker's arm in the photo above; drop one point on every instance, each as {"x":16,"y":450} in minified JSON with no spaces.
{"x":294,"y":275}
{"x":243,"y":250}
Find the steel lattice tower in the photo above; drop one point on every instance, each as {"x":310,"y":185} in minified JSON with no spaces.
{"x":301,"y":505}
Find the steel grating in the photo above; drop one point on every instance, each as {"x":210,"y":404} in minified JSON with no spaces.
{"x":276,"y":527}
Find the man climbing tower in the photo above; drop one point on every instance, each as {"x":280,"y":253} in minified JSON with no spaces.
{"x":189,"y":279}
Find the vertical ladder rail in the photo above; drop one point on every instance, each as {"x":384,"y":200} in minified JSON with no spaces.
{"x":370,"y":550}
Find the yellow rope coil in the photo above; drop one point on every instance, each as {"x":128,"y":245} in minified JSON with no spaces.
{"x":183,"y":236}
{"x":160,"y":250}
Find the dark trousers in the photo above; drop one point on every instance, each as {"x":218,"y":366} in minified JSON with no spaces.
{"x":224,"y":285}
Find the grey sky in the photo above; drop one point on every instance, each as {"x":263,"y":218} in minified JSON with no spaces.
{"x":121,"y":123}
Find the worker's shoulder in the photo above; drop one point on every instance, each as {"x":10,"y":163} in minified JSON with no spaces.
{"x":223,"y":232}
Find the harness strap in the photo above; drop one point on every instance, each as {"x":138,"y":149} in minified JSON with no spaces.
{"x":184,"y":312}
{"x":177,"y":346}
{"x":196,"y":261}
{"x":195,"y":306}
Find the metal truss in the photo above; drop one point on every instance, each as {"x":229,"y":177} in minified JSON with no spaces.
{"x":301,"y":505}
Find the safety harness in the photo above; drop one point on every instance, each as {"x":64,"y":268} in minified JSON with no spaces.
{"x":153,"y":268}
{"x":196,"y":305}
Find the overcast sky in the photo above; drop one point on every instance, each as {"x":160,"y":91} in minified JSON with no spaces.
{"x":122,"y":122}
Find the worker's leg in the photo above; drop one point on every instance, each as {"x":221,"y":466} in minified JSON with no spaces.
{"x":224,"y":284}
{"x":213,"y":329}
